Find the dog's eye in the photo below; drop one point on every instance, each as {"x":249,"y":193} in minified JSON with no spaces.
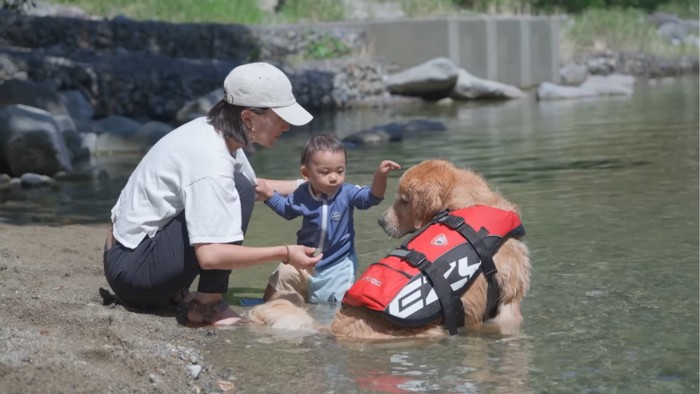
{"x":403,"y":200}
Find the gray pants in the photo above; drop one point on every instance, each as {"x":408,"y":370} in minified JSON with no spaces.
{"x":160,"y":267}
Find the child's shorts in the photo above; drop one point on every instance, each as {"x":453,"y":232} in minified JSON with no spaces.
{"x":327,"y":286}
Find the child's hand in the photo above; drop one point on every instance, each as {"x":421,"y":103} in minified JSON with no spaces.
{"x":387,"y":165}
{"x":263,"y":191}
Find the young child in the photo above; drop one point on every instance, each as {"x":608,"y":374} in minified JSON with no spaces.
{"x":326,"y":203}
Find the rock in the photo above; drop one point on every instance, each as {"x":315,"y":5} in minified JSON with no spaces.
{"x":32,"y":94}
{"x":470,"y":87}
{"x":672,"y":32}
{"x":193,"y":371}
{"x":117,"y":124}
{"x":30,"y":180}
{"x":199,"y":107}
{"x":392,"y":132}
{"x":72,"y":138}
{"x":154,"y":130}
{"x":611,"y":85}
{"x":573,"y":74}
{"x":433,"y":79}
{"x":31,"y":141}
{"x":79,"y":109}
{"x":551,"y":91}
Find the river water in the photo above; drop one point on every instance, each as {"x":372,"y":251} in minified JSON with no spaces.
{"x":608,"y":190}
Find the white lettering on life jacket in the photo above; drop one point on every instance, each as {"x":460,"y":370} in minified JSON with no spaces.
{"x":464,"y":270}
{"x":373,"y":281}
{"x":410,"y":298}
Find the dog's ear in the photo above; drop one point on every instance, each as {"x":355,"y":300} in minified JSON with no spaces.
{"x":426,"y":203}
{"x":427,"y":187}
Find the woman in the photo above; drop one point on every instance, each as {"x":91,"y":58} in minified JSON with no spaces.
{"x":185,"y":208}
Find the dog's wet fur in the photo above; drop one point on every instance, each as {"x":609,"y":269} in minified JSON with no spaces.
{"x":423,"y":190}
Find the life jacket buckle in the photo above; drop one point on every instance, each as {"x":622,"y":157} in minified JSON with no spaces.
{"x":415,"y":258}
{"x":452,"y":221}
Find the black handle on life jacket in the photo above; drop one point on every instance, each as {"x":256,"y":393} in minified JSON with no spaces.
{"x":413,"y":257}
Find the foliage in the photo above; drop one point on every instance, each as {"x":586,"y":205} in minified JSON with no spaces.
{"x":683,"y":8}
{"x":311,"y":11}
{"x":422,"y":8}
{"x":216,"y":11}
{"x":299,"y":11}
{"x":326,"y":47}
{"x":578,"y":6}
{"x":619,"y":29}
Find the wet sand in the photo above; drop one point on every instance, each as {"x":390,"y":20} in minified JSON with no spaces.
{"x":56,"y":336}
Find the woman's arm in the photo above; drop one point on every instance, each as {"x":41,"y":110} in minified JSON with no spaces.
{"x":229,"y":256}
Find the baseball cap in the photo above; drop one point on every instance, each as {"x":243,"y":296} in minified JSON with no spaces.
{"x":263,"y":85}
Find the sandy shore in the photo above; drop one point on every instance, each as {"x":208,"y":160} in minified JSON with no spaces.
{"x":56,"y":336}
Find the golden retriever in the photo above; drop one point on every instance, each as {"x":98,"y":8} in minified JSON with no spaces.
{"x":424,"y":190}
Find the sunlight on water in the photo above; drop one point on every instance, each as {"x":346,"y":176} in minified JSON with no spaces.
{"x":608,"y":190}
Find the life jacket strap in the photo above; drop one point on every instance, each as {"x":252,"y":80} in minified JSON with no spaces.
{"x":413,"y":257}
{"x":451,"y":305}
{"x":488,"y":267}
{"x":475,"y":239}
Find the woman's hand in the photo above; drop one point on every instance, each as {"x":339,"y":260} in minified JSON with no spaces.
{"x":263,"y":192}
{"x":301,"y":256}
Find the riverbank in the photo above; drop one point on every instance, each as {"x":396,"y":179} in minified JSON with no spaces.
{"x":56,"y":335}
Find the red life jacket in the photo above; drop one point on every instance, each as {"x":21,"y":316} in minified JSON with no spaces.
{"x":421,"y":281}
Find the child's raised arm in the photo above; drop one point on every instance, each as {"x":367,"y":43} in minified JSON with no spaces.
{"x":379,"y":182}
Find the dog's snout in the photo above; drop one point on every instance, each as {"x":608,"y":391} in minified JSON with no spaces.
{"x":381,"y":222}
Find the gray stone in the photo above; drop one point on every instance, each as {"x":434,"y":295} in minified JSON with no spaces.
{"x":30,"y":180}
{"x":432,"y":79}
{"x":551,"y":91}
{"x":33,"y":94}
{"x":199,"y":107}
{"x":469,"y":87}
{"x":116,"y":124}
{"x":31,"y":141}
{"x":573,"y":74}
{"x":612,"y":85}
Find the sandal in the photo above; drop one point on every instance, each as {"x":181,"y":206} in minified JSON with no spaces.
{"x":209,"y":312}
{"x":183,"y":298}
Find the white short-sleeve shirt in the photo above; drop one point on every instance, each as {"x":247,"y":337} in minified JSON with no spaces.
{"x":190,"y":168}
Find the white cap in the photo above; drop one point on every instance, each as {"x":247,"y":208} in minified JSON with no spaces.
{"x":263,"y":85}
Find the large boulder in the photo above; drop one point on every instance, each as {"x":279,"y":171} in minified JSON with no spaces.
{"x":433,"y":79}
{"x":470,"y":87}
{"x":610,"y":85}
{"x":33,"y":94}
{"x":393,"y":132}
{"x":31,"y":141}
{"x":199,"y":106}
{"x":551,"y":91}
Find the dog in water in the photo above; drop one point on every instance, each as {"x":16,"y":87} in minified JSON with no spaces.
{"x":424,"y":191}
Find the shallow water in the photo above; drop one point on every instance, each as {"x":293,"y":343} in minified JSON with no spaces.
{"x":609,"y":194}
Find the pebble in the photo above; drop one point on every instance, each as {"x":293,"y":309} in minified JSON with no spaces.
{"x":194,"y":370}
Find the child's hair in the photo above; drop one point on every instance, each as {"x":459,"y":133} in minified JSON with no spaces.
{"x":321,"y":143}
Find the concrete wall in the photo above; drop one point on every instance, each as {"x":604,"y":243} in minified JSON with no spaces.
{"x":521,"y":51}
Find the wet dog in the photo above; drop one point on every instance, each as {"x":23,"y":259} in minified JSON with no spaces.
{"x":423,"y":191}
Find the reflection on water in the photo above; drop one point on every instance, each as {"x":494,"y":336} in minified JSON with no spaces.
{"x":608,"y":189}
